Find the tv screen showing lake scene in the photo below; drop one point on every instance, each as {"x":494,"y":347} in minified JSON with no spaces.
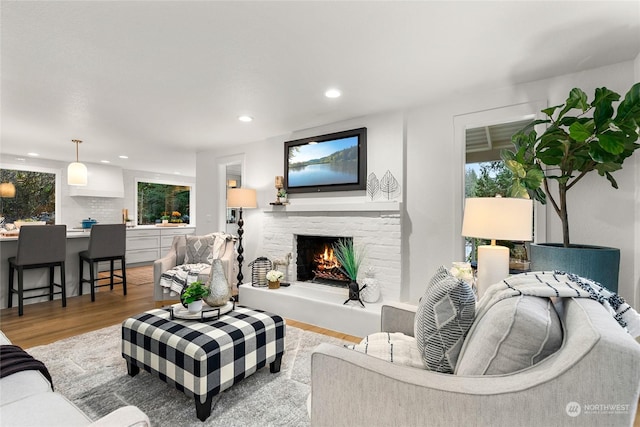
{"x":331,"y":162}
{"x":324,"y":163}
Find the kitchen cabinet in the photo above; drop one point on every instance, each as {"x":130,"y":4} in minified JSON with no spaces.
{"x":145,"y":245}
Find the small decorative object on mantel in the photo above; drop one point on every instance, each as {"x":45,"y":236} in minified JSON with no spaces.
{"x":274,"y":277}
{"x":259,"y":268}
{"x":389,"y":186}
{"x":350,"y":260}
{"x":373,"y":186}
{"x":281,"y":193}
{"x":370,"y":292}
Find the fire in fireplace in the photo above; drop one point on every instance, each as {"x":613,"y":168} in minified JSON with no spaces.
{"x":316,"y":261}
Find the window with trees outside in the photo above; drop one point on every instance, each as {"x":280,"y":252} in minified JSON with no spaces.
{"x":486,"y":176}
{"x":34,"y":199}
{"x":158,"y":202}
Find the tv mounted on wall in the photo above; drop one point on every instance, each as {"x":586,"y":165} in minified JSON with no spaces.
{"x":332,"y":162}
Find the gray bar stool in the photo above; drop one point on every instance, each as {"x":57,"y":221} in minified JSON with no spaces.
{"x":39,"y":246}
{"x":107,"y":242}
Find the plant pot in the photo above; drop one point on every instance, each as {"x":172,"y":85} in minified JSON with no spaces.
{"x":195,"y":307}
{"x":597,"y":263}
{"x":274,"y":284}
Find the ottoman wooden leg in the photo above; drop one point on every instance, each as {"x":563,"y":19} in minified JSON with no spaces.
{"x":275,"y":365}
{"x":132,"y":369}
{"x":203,"y":410}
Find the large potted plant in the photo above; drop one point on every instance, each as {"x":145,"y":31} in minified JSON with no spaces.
{"x":598,"y":139}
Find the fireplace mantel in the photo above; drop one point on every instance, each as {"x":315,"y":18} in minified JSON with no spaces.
{"x":387,"y":207}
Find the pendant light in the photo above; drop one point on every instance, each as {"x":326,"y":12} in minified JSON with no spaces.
{"x":76,"y":172}
{"x":8,"y":190}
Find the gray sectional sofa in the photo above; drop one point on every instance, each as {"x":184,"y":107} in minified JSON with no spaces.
{"x":593,"y":379}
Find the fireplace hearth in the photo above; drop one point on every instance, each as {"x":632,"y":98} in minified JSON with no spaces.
{"x":316,"y":261}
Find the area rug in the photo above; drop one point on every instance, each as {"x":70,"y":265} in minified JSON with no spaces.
{"x":90,"y":371}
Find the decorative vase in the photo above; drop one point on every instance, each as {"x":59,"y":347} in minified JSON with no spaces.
{"x":370,"y":291}
{"x":600,"y":264}
{"x":274,"y":284}
{"x":195,"y":307}
{"x":219,"y":290}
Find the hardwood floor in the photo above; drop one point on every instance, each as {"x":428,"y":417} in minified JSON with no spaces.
{"x":46,"y":322}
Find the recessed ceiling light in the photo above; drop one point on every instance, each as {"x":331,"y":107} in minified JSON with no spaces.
{"x":177,"y":173}
{"x":20,"y":159}
{"x":33,"y":154}
{"x":332,"y":93}
{"x":105,"y":161}
{"x":124,"y":157}
{"x":245,"y":119}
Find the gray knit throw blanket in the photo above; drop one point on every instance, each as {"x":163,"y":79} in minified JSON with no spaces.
{"x":562,"y":285}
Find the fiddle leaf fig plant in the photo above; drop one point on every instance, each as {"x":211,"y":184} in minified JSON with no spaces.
{"x":597,"y":138}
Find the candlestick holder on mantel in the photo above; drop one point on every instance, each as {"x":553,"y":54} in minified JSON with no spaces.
{"x":281,"y":194}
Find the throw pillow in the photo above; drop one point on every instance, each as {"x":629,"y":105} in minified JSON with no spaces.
{"x":514,"y":334}
{"x":443,"y":318}
{"x":393,"y":347}
{"x":199,"y":249}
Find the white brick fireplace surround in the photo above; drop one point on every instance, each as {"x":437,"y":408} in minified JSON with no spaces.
{"x":374,"y":226}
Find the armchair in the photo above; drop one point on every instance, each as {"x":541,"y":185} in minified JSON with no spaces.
{"x":176,"y":257}
{"x":592,"y":380}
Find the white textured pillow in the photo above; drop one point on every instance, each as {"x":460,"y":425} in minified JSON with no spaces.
{"x":199,"y":249}
{"x":393,"y":347}
{"x":443,"y":318}
{"x":514,"y":334}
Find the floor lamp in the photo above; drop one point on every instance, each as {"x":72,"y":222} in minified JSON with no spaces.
{"x":241,"y":198}
{"x":496,"y":218}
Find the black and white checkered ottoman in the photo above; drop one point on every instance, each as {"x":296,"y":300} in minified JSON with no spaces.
{"x":203,"y":358}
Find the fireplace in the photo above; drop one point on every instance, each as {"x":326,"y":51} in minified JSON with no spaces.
{"x":316,"y":261}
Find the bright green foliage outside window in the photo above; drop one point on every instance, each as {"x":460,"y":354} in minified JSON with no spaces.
{"x":35,"y":197}
{"x":162,"y":201}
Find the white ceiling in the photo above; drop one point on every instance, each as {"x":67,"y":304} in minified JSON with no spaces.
{"x":158,"y":81}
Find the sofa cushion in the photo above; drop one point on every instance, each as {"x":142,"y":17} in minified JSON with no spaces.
{"x":444,"y":315}
{"x":43,"y":409}
{"x":199,"y":249}
{"x":393,"y":347}
{"x":514,"y":334}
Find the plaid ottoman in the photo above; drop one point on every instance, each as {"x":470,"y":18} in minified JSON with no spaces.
{"x":203,"y":358}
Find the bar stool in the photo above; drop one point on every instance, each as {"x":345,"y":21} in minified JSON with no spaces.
{"x":107,"y":242}
{"x":39,"y":246}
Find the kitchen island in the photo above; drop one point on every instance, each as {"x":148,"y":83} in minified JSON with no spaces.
{"x":145,"y":244}
{"x":77,"y":241}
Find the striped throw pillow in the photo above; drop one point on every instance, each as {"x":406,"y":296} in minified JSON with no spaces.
{"x":443,"y":318}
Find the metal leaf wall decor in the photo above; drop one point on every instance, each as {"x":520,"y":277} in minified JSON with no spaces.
{"x":373,"y":186}
{"x":389,"y":186}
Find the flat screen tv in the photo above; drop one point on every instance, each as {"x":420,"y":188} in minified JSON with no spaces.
{"x":332,"y":162}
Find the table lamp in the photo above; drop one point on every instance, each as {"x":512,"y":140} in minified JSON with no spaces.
{"x":496,"y":218}
{"x":241,"y":198}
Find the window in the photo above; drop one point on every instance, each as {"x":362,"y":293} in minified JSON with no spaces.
{"x":163,"y":201}
{"x":35,"y":195}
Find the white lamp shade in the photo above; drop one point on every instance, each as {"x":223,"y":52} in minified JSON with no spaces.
{"x":498,"y":218}
{"x":7,"y":189}
{"x":76,"y":174}
{"x":241,"y":198}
